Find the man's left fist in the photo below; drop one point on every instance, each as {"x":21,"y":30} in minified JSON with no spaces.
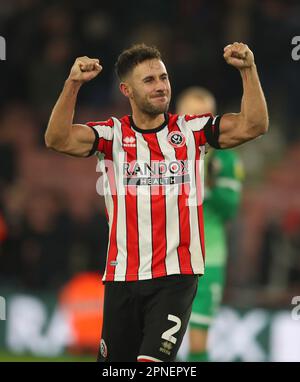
{"x":238,"y":55}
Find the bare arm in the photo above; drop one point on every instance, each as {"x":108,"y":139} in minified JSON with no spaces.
{"x":252,"y":121}
{"x":61,"y":134}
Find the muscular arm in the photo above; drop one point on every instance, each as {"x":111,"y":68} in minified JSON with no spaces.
{"x":252,"y":121}
{"x":61,"y":134}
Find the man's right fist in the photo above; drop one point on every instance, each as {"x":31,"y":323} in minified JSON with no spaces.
{"x":85,"y":69}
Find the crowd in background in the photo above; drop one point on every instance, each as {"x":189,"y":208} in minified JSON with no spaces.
{"x":52,"y":222}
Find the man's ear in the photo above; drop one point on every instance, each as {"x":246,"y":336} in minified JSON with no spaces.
{"x":125,"y":89}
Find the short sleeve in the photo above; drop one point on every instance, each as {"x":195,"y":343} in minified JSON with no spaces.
{"x":212,"y":131}
{"x":104,"y":132}
{"x":206,"y":128}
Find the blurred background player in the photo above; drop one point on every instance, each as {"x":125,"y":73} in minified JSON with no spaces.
{"x":223,"y":176}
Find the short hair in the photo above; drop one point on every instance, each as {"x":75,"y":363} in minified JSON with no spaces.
{"x":199,"y":93}
{"x":133,"y":56}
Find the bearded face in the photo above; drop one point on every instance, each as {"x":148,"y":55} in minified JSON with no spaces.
{"x":152,"y":104}
{"x":149,"y":87}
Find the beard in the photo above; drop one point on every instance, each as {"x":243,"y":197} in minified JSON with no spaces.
{"x":150,"y":108}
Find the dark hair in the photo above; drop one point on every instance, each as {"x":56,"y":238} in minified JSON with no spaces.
{"x":133,"y":56}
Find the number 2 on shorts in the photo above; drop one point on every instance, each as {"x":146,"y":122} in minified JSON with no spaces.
{"x":168,"y":334}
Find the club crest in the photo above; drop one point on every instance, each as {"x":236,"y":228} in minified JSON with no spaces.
{"x":176,"y":139}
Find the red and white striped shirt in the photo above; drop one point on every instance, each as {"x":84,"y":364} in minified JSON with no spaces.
{"x":153,"y":194}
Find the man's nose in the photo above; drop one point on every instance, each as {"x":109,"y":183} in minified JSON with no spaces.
{"x":161,"y":86}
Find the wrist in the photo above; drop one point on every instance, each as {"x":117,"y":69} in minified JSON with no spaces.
{"x":251,"y":68}
{"x":248,"y":72}
{"x":74,"y":84}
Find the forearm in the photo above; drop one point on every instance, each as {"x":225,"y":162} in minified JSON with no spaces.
{"x":254,"y":110}
{"x":252,"y":121}
{"x":60,"y":123}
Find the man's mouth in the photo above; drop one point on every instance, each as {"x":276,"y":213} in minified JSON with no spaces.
{"x":160,"y":96}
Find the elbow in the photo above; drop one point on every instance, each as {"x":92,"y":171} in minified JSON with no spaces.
{"x":49,"y":143}
{"x":52,"y":143}
{"x":259,"y":128}
{"x":263,"y":128}
{"x":266,"y":127}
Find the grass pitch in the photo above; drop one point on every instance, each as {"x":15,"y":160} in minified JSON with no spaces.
{"x":10,"y":357}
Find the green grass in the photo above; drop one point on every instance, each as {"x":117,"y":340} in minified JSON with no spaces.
{"x":10,"y":357}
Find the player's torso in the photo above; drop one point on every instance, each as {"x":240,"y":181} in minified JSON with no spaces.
{"x":158,"y":188}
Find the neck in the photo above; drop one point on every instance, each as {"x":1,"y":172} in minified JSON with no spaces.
{"x":147,"y":121}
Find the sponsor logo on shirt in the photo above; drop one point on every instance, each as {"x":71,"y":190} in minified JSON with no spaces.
{"x":129,"y":142}
{"x":155,"y":174}
{"x":166,"y":347}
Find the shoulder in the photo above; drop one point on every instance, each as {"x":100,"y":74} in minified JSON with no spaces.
{"x":196,"y":121}
{"x":109,"y":122}
{"x":193,"y":117}
{"x":189,"y":117}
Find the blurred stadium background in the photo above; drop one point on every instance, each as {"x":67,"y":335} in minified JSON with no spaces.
{"x":52,"y":225}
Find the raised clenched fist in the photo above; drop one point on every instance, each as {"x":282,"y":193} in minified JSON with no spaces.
{"x":85,"y":69}
{"x":239,"y":55}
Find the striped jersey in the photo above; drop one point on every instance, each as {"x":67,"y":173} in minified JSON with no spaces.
{"x":153,"y":187}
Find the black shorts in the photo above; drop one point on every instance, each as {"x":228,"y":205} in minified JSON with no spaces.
{"x":146,"y":319}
